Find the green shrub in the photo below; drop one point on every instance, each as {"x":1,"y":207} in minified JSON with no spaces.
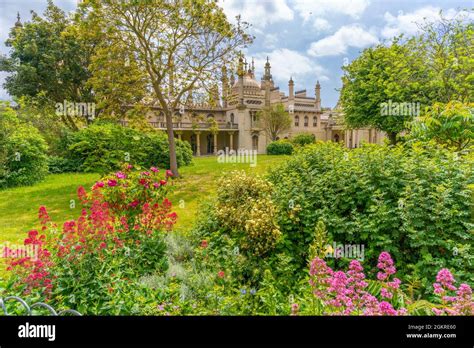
{"x":412,"y":201}
{"x":23,"y":159}
{"x":280,"y":147}
{"x":103,"y":147}
{"x":57,"y":164}
{"x":303,"y":139}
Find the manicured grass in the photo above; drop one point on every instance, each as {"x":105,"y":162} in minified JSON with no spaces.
{"x":19,"y":206}
{"x":199,"y":182}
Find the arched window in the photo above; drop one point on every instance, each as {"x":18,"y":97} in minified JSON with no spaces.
{"x":210,"y":116}
{"x":306,"y":121}
{"x":315,"y":121}
{"x":297,"y":121}
{"x":255,"y":142}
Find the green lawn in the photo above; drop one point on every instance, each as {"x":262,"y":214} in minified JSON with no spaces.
{"x":19,"y":206}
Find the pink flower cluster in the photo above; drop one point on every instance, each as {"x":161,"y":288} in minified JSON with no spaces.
{"x":460,"y":303}
{"x":345,"y":292}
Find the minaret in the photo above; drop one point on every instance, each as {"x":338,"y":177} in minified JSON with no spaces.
{"x":291,"y":90}
{"x":224,"y":86}
{"x":317,"y":95}
{"x":240,"y":74}
{"x":267,"y":82}
{"x":253,"y":68}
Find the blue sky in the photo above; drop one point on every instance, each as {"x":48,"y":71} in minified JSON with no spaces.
{"x":307,"y":39}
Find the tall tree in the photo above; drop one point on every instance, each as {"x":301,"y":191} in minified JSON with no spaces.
{"x":274,"y":120}
{"x":48,"y":62}
{"x":181,"y":45}
{"x":379,"y":76}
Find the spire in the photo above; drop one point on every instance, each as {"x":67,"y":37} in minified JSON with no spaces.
{"x":267,"y":76}
{"x":18,"y":20}
{"x":253,"y":66}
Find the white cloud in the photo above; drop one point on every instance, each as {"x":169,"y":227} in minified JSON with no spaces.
{"x":321,"y":24}
{"x":321,"y":8}
{"x":407,"y":23}
{"x":286,"y":63}
{"x":270,"y":41}
{"x":258,"y":13}
{"x":341,"y":40}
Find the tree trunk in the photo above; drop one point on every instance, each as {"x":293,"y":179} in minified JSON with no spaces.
{"x":392,"y":136}
{"x":172,"y":145}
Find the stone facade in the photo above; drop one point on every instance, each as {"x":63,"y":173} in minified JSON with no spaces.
{"x":235,"y":114}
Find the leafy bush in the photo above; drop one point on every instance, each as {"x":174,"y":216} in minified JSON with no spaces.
{"x":451,"y":124}
{"x":103,"y":147}
{"x":303,"y":139}
{"x":23,"y":159}
{"x":57,"y":164}
{"x":413,"y":201}
{"x":280,"y":147}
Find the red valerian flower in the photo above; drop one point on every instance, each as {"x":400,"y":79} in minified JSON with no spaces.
{"x":221,"y":274}
{"x":99,"y":184}
{"x":163,"y":182}
{"x":204,"y":244}
{"x":169,"y":173}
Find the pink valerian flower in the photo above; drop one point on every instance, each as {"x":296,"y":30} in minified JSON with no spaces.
{"x":156,"y":184}
{"x":99,"y":184}
{"x":460,"y":303}
{"x":444,"y":281}
{"x":154,"y":169}
{"x":386,"y":293}
{"x":169,"y":173}
{"x":146,"y":173}
{"x":112,"y":183}
{"x":385,"y":264}
{"x":319,"y":277}
{"x":120,"y":175}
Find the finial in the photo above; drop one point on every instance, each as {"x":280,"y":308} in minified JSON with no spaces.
{"x":18,"y":21}
{"x":253,"y":65}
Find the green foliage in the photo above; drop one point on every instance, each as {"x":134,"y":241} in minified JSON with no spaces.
{"x":303,"y":139}
{"x":381,"y":75}
{"x":274,"y":121}
{"x":103,"y":147}
{"x":280,"y":147}
{"x":451,"y":124}
{"x":411,"y":201}
{"x":57,"y":164}
{"x":23,"y":159}
{"x":49,"y":61}
{"x":244,"y":207}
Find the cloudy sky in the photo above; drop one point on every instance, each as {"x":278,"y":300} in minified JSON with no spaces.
{"x":307,"y":39}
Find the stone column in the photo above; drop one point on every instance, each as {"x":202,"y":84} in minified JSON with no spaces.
{"x":198,"y":144}
{"x":231,"y":138}
{"x":215,"y":143}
